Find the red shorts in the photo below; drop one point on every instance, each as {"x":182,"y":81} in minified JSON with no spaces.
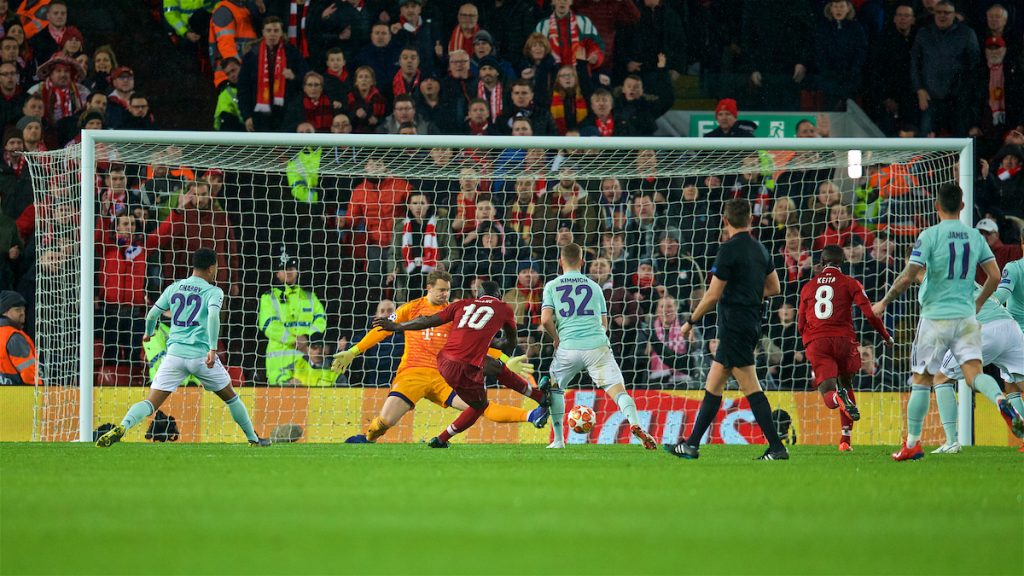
{"x":467,"y":380}
{"x":832,"y":357}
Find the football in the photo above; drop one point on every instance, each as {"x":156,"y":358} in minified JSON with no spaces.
{"x":581,"y":419}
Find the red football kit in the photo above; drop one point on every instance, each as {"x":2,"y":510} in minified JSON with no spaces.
{"x":825,"y":323}
{"x":474,"y":324}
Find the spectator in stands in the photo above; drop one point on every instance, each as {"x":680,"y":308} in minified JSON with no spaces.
{"x":602,"y":118}
{"x":483,"y":47}
{"x":525,"y":298}
{"x":568,"y":200}
{"x":772,"y":230}
{"x":841,"y":226}
{"x":9,"y":52}
{"x":510,"y":23}
{"x":465,"y":202}
{"x":1004,"y":253}
{"x":71,"y":43}
{"x":793,"y":261}
{"x":699,"y":226}
{"x":777,"y":48}
{"x":26,"y":62}
{"x":428,"y":103}
{"x":787,"y":364}
{"x":677,"y":273}
{"x":420,"y":246}
{"x":11,"y":245}
{"x":1001,"y":192}
{"x":103,"y":63}
{"x":404,"y":112}
{"x":63,"y":96}
{"x":17,"y":351}
{"x":269,"y":84}
{"x":827,"y":196}
{"x":457,"y":89}
{"x":375,"y":205}
{"x":640,"y":109}
{"x":659,"y":35}
{"x":568,"y":32}
{"x":523,"y":105}
{"x":613,"y":204}
{"x":613,"y":249}
{"x":569,"y":98}
{"x":464,"y":33}
{"x":382,"y":53}
{"x":31,"y":128}
{"x":413,"y":29}
{"x":523,"y":215}
{"x":380,"y":362}
{"x":999,"y":96}
{"x":943,"y":61}
{"x":610,"y":18}
{"x":341,"y":124}
{"x":12,"y":96}
{"x":881,"y":268}
{"x":490,"y":87}
{"x":643,"y":227}
{"x":288,"y":314}
{"x":726,"y":113}
{"x":232,"y":31}
{"x":139,"y":115}
{"x":409,"y":75}
{"x":997,"y":18}
{"x":478,"y":120}
{"x":623,"y":310}
{"x":487,"y":258}
{"x":97,"y":102}
{"x":123,"y":79}
{"x":337,"y":84}
{"x":366,"y":104}
{"x":341,"y":24}
{"x":47,"y":42}
{"x":317,"y":108}
{"x":227,"y":115}
{"x":840,"y":53}
{"x":890,"y":78}
{"x":538,"y":65}
{"x":202,"y":223}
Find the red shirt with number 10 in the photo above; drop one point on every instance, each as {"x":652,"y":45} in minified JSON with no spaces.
{"x":474,"y":324}
{"x":826,"y":307}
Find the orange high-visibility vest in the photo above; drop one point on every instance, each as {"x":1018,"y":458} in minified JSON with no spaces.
{"x":15,"y":370}
{"x":230,"y":40}
{"x":33,"y":16}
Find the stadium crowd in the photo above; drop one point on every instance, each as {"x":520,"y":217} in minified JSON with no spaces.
{"x":346,"y":249}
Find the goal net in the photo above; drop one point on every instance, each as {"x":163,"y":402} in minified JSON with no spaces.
{"x":316,"y":235}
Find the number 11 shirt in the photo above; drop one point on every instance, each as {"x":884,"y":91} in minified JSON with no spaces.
{"x":578,"y":304}
{"x":949,"y":252}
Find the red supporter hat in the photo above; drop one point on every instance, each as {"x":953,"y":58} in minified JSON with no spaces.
{"x":213,"y":172}
{"x":121,"y":71}
{"x":729,"y":105}
{"x":995,"y":42}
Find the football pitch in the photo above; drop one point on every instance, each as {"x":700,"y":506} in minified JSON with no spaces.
{"x":504,"y":509}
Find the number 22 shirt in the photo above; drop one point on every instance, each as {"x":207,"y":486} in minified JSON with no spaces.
{"x":190,"y":301}
{"x":578,"y":303}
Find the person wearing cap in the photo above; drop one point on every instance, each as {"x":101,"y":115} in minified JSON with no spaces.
{"x":1004,"y":253}
{"x":17,"y":351}
{"x":288,"y":314}
{"x":726,"y":114}
{"x":483,"y":46}
{"x":490,"y":89}
{"x":122,"y":79}
{"x":465,"y":32}
{"x":1000,"y":91}
{"x":510,"y":24}
{"x":31,"y":128}
{"x":63,"y":95}
{"x":943,"y":58}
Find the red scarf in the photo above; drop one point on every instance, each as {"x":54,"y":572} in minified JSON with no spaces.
{"x":398,"y":86}
{"x":60,"y":103}
{"x":997,"y":94}
{"x":419,"y":245}
{"x":297,"y":26}
{"x":794,"y":266}
{"x":319,"y":113}
{"x":522,"y":219}
{"x":265,"y":77}
{"x":558,"y":110}
{"x":478,"y":129}
{"x":492,"y":97}
{"x":532,"y":306}
{"x":460,"y":41}
{"x":1007,"y":173}
{"x":563,"y":53}
{"x":605,"y":127}
{"x":341,"y":76}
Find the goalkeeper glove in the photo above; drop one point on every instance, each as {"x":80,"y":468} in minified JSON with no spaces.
{"x":519,"y":365}
{"x":343,"y":359}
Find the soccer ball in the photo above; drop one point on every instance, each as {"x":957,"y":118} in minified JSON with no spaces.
{"x":582,"y":419}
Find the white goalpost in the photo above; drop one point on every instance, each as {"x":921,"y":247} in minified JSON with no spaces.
{"x":644,"y":209}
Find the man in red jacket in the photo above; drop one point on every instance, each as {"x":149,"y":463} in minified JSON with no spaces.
{"x":841,"y":226}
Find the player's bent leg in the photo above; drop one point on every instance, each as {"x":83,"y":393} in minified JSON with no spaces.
{"x":989,"y":388}
{"x":628,"y":407}
{"x":467,"y":418}
{"x":395,"y":407}
{"x":241,"y":415}
{"x":1014,"y":397}
{"x":135,"y":414}
{"x":827,"y":389}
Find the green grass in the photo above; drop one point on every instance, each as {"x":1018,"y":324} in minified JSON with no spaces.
{"x":211,"y":509}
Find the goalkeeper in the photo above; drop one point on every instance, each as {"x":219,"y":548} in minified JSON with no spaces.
{"x":418,"y":378}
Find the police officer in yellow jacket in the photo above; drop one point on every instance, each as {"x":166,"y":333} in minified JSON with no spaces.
{"x":288,"y":314}
{"x":17,"y":352}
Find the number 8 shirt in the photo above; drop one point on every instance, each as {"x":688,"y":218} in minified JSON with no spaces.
{"x":474,"y":324}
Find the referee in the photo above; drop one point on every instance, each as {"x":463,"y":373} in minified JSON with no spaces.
{"x":743,"y":277}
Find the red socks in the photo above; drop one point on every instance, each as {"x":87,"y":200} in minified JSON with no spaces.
{"x":513,"y":381}
{"x":845,"y":421}
{"x":468,"y":417}
{"x":831,"y":399}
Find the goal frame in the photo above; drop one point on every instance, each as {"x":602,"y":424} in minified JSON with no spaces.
{"x":91,"y":138}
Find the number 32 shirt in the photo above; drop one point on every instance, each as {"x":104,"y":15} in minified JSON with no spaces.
{"x":950,"y":252}
{"x":826,"y":307}
{"x":578,"y":303}
{"x":191,"y":301}
{"x":474,"y":324}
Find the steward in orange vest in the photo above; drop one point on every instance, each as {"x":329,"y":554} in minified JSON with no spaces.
{"x":17,"y":352}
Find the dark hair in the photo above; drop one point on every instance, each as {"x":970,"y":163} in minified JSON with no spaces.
{"x":477,"y":101}
{"x":601,"y":92}
{"x":229,"y":60}
{"x":634,"y":77}
{"x":802,"y":122}
{"x":335,"y":50}
{"x":271,"y":20}
{"x":405,"y":125}
{"x":405,"y":98}
{"x":522,"y":82}
{"x":833,"y":254}
{"x":737,"y":212}
{"x":203,"y":258}
{"x":950,"y":197}
{"x":436,"y":275}
{"x":572,"y":254}
{"x":93,"y":96}
{"x":137,"y":95}
{"x":489,"y":288}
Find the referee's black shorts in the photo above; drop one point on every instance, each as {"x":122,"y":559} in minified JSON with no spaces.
{"x":739,"y":332}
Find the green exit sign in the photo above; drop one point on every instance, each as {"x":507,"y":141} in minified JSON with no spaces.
{"x":768,"y":125}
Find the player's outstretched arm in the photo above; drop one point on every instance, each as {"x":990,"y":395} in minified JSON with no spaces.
{"x":991,"y":283}
{"x":899,"y":286}
{"x":862,"y":302}
{"x":421,"y":323}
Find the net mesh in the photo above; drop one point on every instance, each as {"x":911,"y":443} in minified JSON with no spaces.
{"x":360,"y":223}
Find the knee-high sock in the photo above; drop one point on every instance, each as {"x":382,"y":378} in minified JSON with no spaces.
{"x":1016,"y":402}
{"x":513,"y":381}
{"x":762,"y":410}
{"x":558,"y":414}
{"x":241,"y":416}
{"x":468,"y":417}
{"x":628,"y":407}
{"x":831,"y":399}
{"x":709,"y":406}
{"x":138,"y":412}
{"x":376,"y":429}
{"x":988,"y":387}
{"x":501,"y":413}
{"x":945,"y":397}
{"x":917,"y":409}
{"x":845,"y":422}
